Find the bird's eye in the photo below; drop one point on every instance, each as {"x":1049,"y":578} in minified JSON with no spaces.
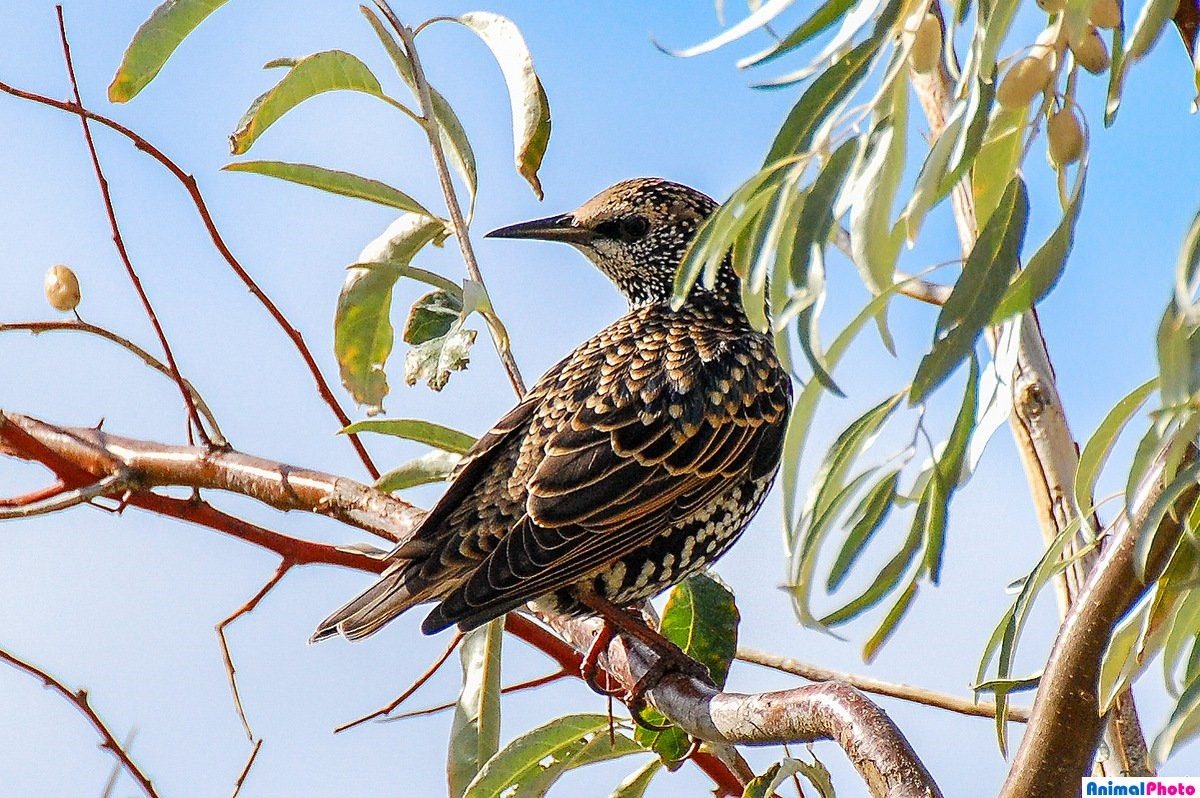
{"x":627,"y":229}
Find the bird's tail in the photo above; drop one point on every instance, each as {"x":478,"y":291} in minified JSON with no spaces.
{"x":392,"y":595}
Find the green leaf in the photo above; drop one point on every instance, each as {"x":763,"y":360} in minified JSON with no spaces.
{"x":1044,"y":269}
{"x":153,"y":43}
{"x":531,"y":763}
{"x":820,"y":100}
{"x":432,"y":316}
{"x":948,"y":474}
{"x":998,"y":159}
{"x":363,"y":334}
{"x":411,"y":429}
{"x":450,"y":129}
{"x":890,"y":622}
{"x":333,"y":181}
{"x":874,"y":242}
{"x":1154,"y":16}
{"x":1165,"y":504}
{"x":853,"y":24}
{"x":817,"y":215}
{"x":475,"y":730}
{"x":985,"y":277}
{"x":1183,"y":725}
{"x":761,"y":16}
{"x":331,"y":70}
{"x":764,"y":786}
{"x":867,"y":519}
{"x":433,"y":466}
{"x":1187,"y":269}
{"x":1099,"y":445}
{"x":825,"y":17}
{"x":530,"y":107}
{"x":1116,"y":76}
{"x":636,"y":783}
{"x":1121,"y":661}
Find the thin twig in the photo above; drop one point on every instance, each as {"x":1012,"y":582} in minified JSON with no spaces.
{"x":119,"y":242}
{"x":115,"y":773}
{"x":37,"y":327}
{"x":412,"y":688}
{"x":285,"y":565}
{"x":113,"y":483}
{"x":905,"y":692}
{"x":241,"y":779}
{"x":193,"y":189}
{"x":38,"y":495}
{"x":80,"y":699}
{"x":529,"y":684}
{"x":461,"y":230}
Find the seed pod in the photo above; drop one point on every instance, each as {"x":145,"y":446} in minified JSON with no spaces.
{"x":1052,"y":6}
{"x":927,"y":45}
{"x":62,"y":288}
{"x":1105,"y":14}
{"x":1090,"y":52}
{"x":1026,"y":80}
{"x":1065,"y":136}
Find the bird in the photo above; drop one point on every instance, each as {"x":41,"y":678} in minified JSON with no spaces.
{"x":633,"y":463}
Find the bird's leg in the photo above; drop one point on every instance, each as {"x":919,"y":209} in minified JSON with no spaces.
{"x":589,"y":669}
{"x":671,"y":658}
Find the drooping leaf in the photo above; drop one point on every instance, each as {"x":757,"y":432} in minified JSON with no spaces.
{"x":450,"y":129}
{"x":433,"y":466}
{"x":995,"y":393}
{"x":874,"y":242}
{"x":344,"y":183}
{"x":1121,"y":662}
{"x":434,"y":360}
{"x":985,"y":277}
{"x":947,"y":475}
{"x":531,"y":763}
{"x":530,"y":107}
{"x":1116,"y":76}
{"x":1099,"y":445}
{"x":1187,"y":270}
{"x":891,"y":621}
{"x":764,"y":786}
{"x":865,"y":520}
{"x":433,"y":316}
{"x":1153,"y":17}
{"x":363,"y":334}
{"x":1183,"y":725}
{"x":154,"y":42}
{"x":330,"y":70}
{"x":998,"y":159}
{"x":411,"y":429}
{"x":475,"y":730}
{"x":825,"y":17}
{"x":637,"y":782}
{"x":761,"y":16}
{"x":817,"y":214}
{"x":883,"y":12}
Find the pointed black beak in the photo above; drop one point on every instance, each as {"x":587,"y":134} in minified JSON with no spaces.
{"x":553,"y":228}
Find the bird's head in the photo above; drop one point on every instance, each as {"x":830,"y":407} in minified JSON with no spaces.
{"x":636,"y":232}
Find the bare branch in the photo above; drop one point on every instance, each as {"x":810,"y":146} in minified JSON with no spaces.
{"x":905,"y":692}
{"x":78,"y":325}
{"x":119,"y":242}
{"x":241,"y":779}
{"x":412,"y":688}
{"x":62,"y":500}
{"x":79,"y":698}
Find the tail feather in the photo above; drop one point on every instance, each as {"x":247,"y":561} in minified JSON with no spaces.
{"x":392,"y":595}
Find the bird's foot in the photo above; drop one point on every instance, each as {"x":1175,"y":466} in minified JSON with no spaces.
{"x":589,"y":669}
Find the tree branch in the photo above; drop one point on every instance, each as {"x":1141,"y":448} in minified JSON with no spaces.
{"x":832,"y":711}
{"x":80,"y":699}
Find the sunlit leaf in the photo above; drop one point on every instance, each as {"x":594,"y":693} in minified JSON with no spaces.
{"x":530,"y":764}
{"x":995,"y":393}
{"x":450,"y":129}
{"x":434,"y":360}
{"x":412,"y":429}
{"x":883,"y":12}
{"x":865,"y":520}
{"x":874,"y":242}
{"x":434,"y":315}
{"x":363,"y":334}
{"x":825,"y":17}
{"x":761,"y":16}
{"x":1121,"y":662}
{"x":331,"y":70}
{"x":891,"y":622}
{"x":889,"y":576}
{"x":947,"y":475}
{"x":1099,"y":445}
{"x":154,"y":42}
{"x":998,"y":159}
{"x":475,"y":730}
{"x":1153,"y":17}
{"x":1116,"y":76}
{"x":334,"y":181}
{"x":433,"y":466}
{"x":530,"y":107}
{"x":985,"y":277}
{"x":1183,"y":725}
{"x":637,"y":782}
{"x":1156,"y":516}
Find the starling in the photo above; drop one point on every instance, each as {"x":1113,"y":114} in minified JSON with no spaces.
{"x":633,"y":463}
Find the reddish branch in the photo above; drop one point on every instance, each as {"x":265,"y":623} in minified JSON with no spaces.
{"x":119,"y":241}
{"x":193,"y":190}
{"x":836,"y":712}
{"x":80,"y":699}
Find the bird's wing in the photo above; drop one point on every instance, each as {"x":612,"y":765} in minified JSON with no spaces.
{"x":618,"y":470}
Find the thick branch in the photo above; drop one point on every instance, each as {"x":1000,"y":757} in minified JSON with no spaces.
{"x":832,"y":711}
{"x":1066,"y":724}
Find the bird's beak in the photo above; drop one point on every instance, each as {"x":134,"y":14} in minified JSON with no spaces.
{"x":553,"y":228}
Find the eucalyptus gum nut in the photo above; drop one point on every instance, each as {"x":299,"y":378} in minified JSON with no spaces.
{"x":927,"y":45}
{"x":1105,"y":14}
{"x":1090,"y":52}
{"x":1065,"y":137}
{"x":1026,"y":80}
{"x":62,"y":288}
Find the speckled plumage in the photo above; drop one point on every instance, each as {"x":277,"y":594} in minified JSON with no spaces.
{"x":632,"y":463}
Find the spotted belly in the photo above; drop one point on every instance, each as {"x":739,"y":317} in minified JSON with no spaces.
{"x":689,"y":546}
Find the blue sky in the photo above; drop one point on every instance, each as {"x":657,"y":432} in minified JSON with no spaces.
{"x":126,"y":605}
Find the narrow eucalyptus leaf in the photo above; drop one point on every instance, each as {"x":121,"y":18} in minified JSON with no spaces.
{"x":413,"y":429}
{"x":761,"y":16}
{"x":821,"y":20}
{"x":475,"y":730}
{"x":154,"y":42}
{"x":1095,"y":452}
{"x":866,"y":519}
{"x":336,"y":182}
